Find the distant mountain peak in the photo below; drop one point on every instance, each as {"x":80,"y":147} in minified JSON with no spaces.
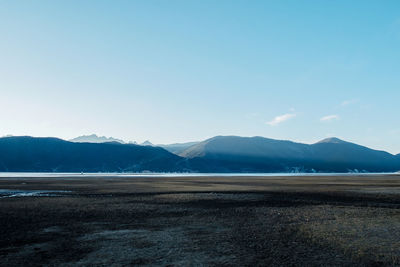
{"x":147,"y":143}
{"x":93,"y":138}
{"x":332,"y":140}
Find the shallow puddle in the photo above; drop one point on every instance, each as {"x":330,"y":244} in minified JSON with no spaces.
{"x":30,"y":193}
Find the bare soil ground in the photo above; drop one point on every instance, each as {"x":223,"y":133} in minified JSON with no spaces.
{"x":202,"y":221}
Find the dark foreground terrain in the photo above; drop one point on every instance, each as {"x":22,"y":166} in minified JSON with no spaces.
{"x":195,"y":221}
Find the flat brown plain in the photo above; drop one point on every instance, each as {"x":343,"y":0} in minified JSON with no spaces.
{"x":209,"y":221}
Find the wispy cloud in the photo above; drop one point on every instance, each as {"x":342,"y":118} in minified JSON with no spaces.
{"x":349,"y":102}
{"x":330,"y":118}
{"x":281,"y":118}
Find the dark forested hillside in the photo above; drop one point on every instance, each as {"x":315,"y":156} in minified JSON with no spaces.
{"x":52,"y":154}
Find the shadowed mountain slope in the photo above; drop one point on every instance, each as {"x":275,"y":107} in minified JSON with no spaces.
{"x":345,"y":155}
{"x":246,"y":146}
{"x":178,"y":148}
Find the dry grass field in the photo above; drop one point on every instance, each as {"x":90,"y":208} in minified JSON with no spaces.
{"x":202,"y":221}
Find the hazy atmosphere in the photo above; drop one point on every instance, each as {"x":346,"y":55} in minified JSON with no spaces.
{"x":175,"y":71}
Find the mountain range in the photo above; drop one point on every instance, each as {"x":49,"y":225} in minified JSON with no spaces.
{"x":217,"y":154}
{"x":93,"y":138}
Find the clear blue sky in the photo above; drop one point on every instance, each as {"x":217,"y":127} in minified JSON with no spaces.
{"x":174,"y":71}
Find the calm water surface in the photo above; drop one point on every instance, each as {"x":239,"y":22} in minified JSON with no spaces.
{"x":141,"y":175}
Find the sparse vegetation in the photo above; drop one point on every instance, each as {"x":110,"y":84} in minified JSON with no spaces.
{"x":203,"y":221}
